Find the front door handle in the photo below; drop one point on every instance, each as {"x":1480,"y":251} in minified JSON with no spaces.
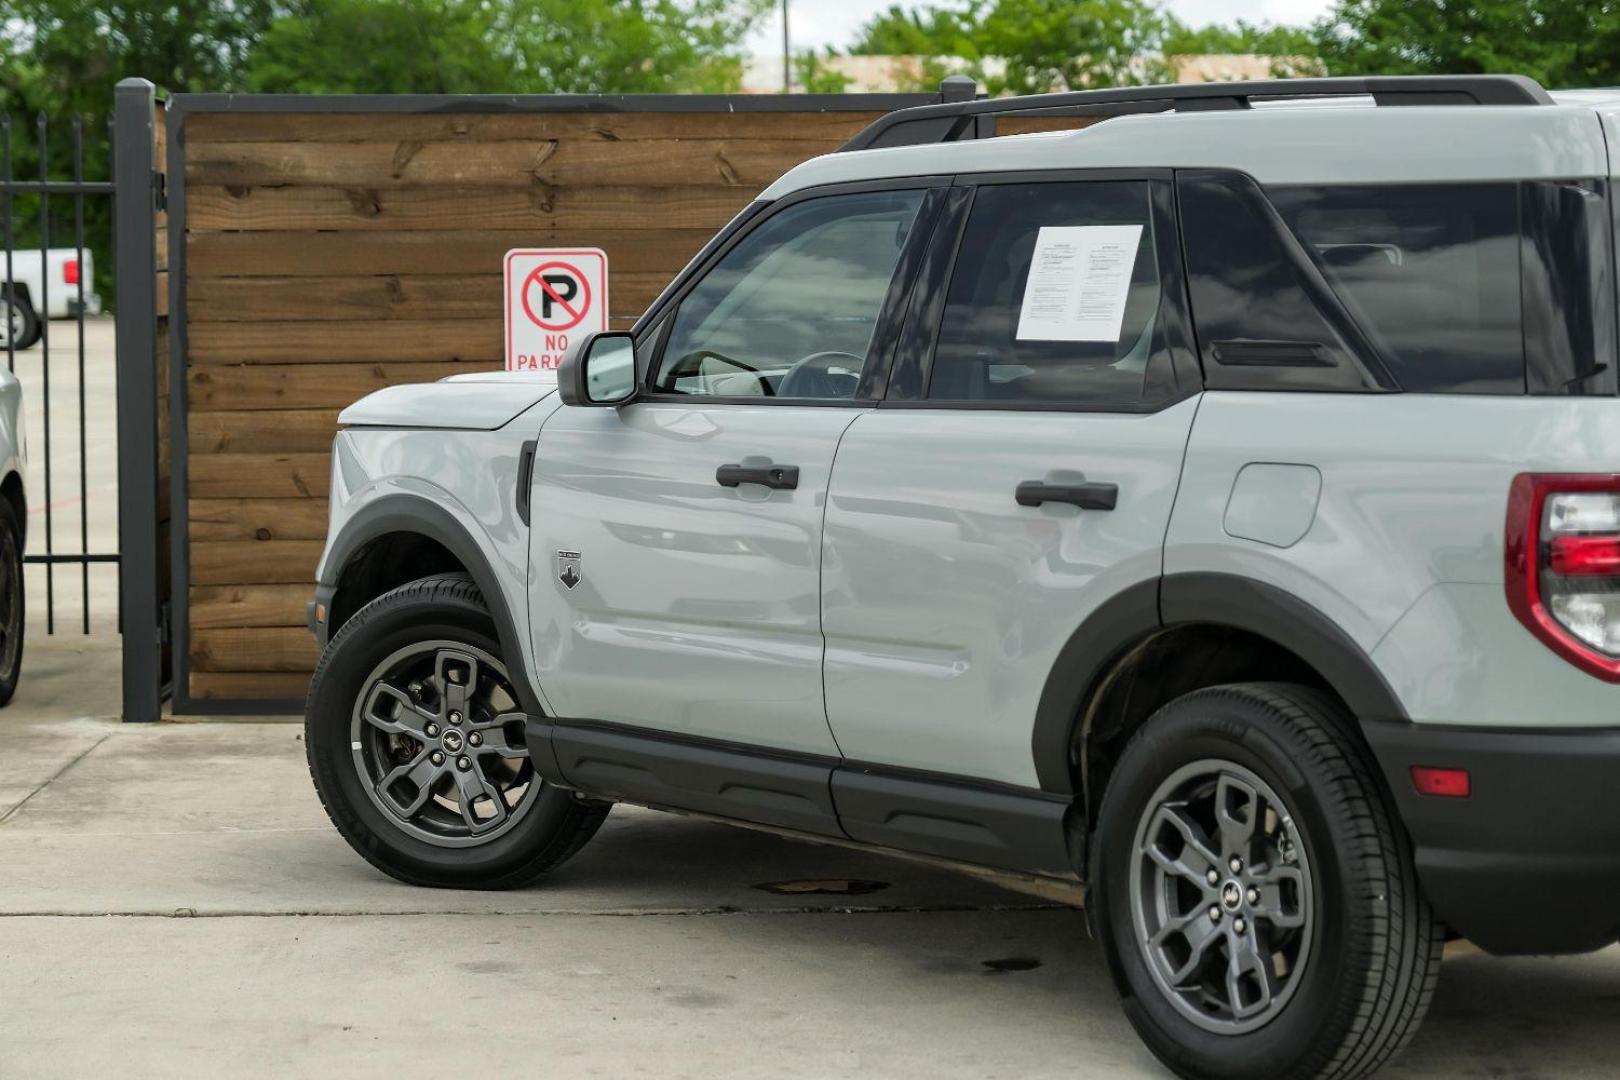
{"x":1085,"y":496}
{"x":779,"y":477}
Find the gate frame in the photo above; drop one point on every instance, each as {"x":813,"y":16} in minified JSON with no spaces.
{"x":180,"y":106}
{"x":136,"y":199}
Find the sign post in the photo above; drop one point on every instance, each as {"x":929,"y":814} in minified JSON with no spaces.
{"x":554,"y":297}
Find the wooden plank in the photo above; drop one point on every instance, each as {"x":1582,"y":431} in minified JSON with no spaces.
{"x":311,"y":344}
{"x":272,"y":562}
{"x":834,"y":128}
{"x":269,"y":431}
{"x":224,"y":606}
{"x":325,"y":254}
{"x":270,"y":648}
{"x":263,"y":476}
{"x":257,"y":520}
{"x":212,"y":207}
{"x":391,"y":296}
{"x":1024,"y":125}
{"x":207,"y":685}
{"x":748,"y":164}
{"x":286,"y":386}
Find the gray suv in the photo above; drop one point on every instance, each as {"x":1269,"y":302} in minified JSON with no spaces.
{"x":1216,"y":508}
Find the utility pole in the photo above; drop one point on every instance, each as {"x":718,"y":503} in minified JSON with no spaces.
{"x":787,"y":53}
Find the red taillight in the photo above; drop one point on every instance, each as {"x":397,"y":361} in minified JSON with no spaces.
{"x":1584,"y":556}
{"x":1562,"y":565}
{"x":70,"y":272}
{"x":1440,"y":783}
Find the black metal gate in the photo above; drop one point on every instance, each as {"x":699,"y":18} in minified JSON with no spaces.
{"x":63,"y":231}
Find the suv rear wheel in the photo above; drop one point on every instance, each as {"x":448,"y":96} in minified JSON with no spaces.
{"x":1256,"y":900}
{"x":416,"y":746}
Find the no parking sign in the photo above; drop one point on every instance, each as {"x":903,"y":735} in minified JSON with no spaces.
{"x":554,"y":297}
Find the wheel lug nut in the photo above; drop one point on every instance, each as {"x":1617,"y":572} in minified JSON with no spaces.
{"x":1214,"y":914}
{"x":1213,"y":877}
{"x":1236,"y":864}
{"x":463,"y":763}
{"x":1254,"y":896}
{"x":433,"y":731}
{"x":476,"y":739}
{"x":455,"y":718}
{"x":437,"y":757}
{"x":1239,"y":925}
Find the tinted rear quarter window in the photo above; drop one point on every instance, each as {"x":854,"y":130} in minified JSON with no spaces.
{"x":1431,"y":269}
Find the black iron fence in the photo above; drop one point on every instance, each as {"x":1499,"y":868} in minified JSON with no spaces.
{"x":78,"y":203}
{"x":31,"y":308}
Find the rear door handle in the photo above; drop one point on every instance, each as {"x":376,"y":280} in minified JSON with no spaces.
{"x":1085,"y":496}
{"x":780,"y":477}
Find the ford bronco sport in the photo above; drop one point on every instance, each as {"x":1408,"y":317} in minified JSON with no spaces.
{"x":1217,"y":505}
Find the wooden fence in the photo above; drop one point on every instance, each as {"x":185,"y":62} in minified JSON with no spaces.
{"x":328,"y":247}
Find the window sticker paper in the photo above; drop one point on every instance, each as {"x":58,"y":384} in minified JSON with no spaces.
{"x":1079,"y":280}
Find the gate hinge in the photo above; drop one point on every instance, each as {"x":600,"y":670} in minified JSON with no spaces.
{"x":163,"y":624}
{"x":160,"y":191}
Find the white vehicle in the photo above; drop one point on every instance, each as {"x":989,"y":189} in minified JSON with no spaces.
{"x":1217,"y":506}
{"x":43,"y":288}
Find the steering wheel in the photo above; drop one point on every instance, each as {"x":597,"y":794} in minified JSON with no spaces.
{"x":813,"y":377}
{"x":690,"y":365}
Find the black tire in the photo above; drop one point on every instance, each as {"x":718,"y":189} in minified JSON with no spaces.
{"x":29,"y":328}
{"x":1374,"y":947}
{"x":447,"y":608}
{"x":13,"y":595}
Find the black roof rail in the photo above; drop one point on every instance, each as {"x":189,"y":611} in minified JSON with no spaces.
{"x":954,"y":120}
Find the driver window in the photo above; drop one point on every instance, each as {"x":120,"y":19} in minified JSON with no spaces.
{"x":790,"y":311}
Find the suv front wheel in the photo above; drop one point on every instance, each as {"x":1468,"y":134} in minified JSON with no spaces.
{"x":416,"y":746}
{"x":1255,"y":898}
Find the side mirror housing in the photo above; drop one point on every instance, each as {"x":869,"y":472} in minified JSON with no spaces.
{"x":602,"y":371}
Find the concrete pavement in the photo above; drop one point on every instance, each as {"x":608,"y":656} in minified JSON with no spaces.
{"x":174,"y":903}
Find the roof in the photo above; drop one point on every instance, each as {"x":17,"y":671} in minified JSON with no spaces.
{"x":1305,"y":142}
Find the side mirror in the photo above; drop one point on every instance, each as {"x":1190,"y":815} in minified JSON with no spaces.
{"x":602,"y":371}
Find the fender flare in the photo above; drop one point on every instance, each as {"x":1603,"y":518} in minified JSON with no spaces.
{"x":1149,"y":607}
{"x":414,"y":514}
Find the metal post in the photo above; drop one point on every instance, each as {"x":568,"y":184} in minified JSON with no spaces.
{"x":787,"y":53}
{"x":135,"y":217}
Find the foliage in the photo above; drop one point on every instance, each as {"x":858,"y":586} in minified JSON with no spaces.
{"x":367,"y":46}
{"x":1559,"y":43}
{"x":1241,"y":37}
{"x":811,"y":75}
{"x":518,"y":46}
{"x":1063,"y":44}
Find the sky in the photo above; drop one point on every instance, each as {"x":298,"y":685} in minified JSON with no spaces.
{"x":818,"y":23}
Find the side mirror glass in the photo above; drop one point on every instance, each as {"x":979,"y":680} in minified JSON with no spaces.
{"x":601,"y":372}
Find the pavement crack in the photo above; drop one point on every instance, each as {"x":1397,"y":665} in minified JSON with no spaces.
{"x":53,"y":778}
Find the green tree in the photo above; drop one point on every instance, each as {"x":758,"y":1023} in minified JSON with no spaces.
{"x":372,"y":46}
{"x":516,"y":46}
{"x":613,"y":46}
{"x":1038,"y":45}
{"x":812,"y":75}
{"x":1562,"y":43}
{"x":1240,"y":37}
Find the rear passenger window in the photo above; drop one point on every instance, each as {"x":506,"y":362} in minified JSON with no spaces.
{"x":1054,"y":298}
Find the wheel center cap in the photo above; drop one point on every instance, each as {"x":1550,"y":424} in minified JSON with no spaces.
{"x":452,"y":741}
{"x":1231,"y":896}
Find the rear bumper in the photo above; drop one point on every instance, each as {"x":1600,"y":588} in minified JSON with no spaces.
{"x":1529,"y":862}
